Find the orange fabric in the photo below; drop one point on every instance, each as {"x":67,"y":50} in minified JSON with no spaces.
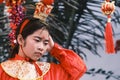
{"x":70,"y":62}
{"x":71,"y":66}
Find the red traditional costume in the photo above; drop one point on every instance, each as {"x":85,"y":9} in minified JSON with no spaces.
{"x":71,"y":67}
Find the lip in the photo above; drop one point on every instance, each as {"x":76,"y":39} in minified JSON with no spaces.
{"x":38,"y":54}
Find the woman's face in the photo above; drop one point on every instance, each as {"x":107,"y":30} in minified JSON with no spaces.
{"x":35,"y":45}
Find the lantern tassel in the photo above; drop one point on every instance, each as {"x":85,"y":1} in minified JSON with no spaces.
{"x":109,"y":37}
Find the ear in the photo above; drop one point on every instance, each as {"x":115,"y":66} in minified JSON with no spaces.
{"x":20,"y":39}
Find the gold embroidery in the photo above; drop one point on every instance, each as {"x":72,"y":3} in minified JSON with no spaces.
{"x":24,"y":70}
{"x":44,"y":67}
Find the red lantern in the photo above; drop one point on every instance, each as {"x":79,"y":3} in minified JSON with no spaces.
{"x":48,"y":2}
{"x":108,"y":8}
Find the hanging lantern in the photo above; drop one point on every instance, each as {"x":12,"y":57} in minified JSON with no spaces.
{"x":108,"y":8}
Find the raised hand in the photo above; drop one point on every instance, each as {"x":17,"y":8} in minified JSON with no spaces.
{"x":50,"y":44}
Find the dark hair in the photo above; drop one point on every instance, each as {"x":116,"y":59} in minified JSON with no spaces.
{"x":30,"y":27}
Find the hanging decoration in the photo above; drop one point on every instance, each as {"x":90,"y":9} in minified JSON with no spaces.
{"x":43,"y":9}
{"x":108,"y":8}
{"x":16,"y":14}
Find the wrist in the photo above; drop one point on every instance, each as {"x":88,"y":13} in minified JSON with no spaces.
{"x":56,"y":49}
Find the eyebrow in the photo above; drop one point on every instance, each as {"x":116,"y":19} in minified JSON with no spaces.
{"x":41,"y":38}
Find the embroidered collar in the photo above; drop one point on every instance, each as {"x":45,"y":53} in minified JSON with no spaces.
{"x":19,"y":68}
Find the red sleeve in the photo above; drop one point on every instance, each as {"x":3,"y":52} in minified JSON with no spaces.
{"x":69,"y":61}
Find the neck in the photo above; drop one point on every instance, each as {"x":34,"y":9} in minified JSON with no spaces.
{"x":21,"y":52}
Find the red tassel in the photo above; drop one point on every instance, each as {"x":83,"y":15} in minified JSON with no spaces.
{"x":109,"y":37}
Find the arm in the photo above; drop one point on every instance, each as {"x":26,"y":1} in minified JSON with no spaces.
{"x":69,"y":61}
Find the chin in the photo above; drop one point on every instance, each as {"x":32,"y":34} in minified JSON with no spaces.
{"x":37,"y":58}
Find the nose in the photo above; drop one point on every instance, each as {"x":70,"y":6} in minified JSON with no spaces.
{"x":40,"y":47}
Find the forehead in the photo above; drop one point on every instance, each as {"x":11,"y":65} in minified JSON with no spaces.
{"x":43,"y":33}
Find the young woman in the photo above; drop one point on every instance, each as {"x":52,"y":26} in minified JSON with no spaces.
{"x":33,"y":40}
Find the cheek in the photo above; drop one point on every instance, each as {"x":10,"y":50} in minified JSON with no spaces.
{"x":46,"y":47}
{"x":29,"y":44}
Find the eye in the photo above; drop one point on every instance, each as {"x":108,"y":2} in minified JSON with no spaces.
{"x":37,"y":40}
{"x":45,"y":43}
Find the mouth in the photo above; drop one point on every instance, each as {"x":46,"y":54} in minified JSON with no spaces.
{"x":38,"y":54}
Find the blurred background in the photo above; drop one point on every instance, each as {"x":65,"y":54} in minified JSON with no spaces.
{"x":75,"y":24}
